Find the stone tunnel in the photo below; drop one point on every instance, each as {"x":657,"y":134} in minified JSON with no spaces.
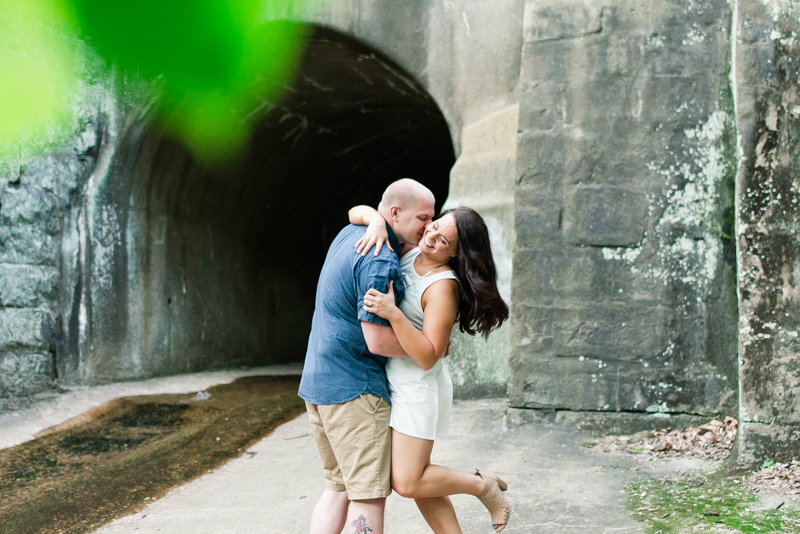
{"x":635,"y":162}
{"x":192,"y":267}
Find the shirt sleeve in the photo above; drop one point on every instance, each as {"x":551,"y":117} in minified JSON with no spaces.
{"x":375,"y":273}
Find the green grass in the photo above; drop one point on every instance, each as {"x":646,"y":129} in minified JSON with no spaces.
{"x":705,"y":504}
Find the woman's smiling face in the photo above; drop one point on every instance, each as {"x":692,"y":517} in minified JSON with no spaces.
{"x":440,"y":240}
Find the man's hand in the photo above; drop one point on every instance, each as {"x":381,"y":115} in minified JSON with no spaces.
{"x":449,"y":345}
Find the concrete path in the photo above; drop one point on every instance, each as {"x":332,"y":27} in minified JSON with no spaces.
{"x":555,"y":484}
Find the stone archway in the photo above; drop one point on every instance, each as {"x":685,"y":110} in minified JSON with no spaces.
{"x":184,"y":268}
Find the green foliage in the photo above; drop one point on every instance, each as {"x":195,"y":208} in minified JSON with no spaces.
{"x":767,"y":463}
{"x":705,"y":505}
{"x":216,"y":60}
{"x":199,"y":43}
{"x":37,"y":68}
{"x":213,"y":61}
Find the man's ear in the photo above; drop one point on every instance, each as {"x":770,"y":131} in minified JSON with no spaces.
{"x":393,"y":211}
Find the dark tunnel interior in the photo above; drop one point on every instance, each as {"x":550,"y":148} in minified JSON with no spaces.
{"x":353,"y":122}
{"x":231,"y":258}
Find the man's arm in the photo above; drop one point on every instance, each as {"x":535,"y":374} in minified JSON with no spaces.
{"x":382,"y":341}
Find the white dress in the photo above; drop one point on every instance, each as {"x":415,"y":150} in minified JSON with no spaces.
{"x":421,"y":400}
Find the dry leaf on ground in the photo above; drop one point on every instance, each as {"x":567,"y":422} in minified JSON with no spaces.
{"x":777,"y":478}
{"x":711,"y":441}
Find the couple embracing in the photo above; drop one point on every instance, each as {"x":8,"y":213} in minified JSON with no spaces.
{"x":376,"y":392}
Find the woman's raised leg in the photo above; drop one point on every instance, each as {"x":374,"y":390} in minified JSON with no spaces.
{"x":411,"y":459}
{"x":414,"y":476}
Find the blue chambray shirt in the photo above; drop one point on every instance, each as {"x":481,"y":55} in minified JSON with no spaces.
{"x":339,"y":367}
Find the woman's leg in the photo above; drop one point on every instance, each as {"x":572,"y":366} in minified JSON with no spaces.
{"x":439,"y":514}
{"x":414,"y":476}
{"x":411,"y":458}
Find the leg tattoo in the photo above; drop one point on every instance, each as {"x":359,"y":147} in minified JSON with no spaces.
{"x":360,"y":525}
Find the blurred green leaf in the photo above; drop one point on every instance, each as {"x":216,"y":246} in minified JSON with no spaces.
{"x":216,"y":121}
{"x":213,"y":61}
{"x":37,"y":68}
{"x":198,"y":43}
{"x":216,"y":60}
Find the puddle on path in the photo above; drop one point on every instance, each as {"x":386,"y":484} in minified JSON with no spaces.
{"x":78,"y":478}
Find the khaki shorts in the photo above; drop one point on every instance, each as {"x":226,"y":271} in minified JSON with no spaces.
{"x":355,"y":445}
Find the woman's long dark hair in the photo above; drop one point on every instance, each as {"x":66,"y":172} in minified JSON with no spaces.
{"x":481,"y":308}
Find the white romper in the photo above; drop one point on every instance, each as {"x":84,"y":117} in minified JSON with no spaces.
{"x":421,"y":400}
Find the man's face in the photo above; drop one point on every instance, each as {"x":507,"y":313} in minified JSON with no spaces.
{"x":409,"y":224}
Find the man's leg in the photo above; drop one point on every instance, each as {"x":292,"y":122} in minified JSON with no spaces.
{"x":366,"y":516}
{"x":330,"y":513}
{"x":358,"y":431}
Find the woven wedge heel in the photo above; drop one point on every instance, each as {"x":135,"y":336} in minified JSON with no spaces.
{"x":492,"y":498}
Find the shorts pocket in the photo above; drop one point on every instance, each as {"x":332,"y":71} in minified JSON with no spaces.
{"x":373,"y":401}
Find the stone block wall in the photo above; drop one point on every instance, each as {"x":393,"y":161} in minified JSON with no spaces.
{"x":42,"y":179}
{"x":38,"y":196}
{"x":768,"y":187}
{"x":624,"y":276}
{"x":483,"y":179}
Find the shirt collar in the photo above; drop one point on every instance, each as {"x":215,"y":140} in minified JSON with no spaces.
{"x":398,"y":249}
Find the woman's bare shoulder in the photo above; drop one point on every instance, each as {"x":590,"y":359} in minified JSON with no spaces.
{"x":441,"y":292}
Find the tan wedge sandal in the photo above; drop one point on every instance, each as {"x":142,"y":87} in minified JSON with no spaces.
{"x":492,"y":498}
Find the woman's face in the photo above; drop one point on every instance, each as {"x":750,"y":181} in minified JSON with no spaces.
{"x":440,"y":240}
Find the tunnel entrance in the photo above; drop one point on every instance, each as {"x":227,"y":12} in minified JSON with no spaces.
{"x":218,"y":268}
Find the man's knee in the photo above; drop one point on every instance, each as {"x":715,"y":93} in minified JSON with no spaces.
{"x":335,"y":498}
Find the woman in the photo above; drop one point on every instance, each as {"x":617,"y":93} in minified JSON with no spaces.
{"x":449,"y":277}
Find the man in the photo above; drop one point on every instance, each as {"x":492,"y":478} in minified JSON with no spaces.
{"x":344,"y":382}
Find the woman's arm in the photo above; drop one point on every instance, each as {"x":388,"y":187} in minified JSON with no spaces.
{"x":376,"y":229}
{"x":363,"y":215}
{"x":440,"y":304}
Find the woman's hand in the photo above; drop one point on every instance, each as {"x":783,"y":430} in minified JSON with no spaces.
{"x":376,"y":235}
{"x":381,"y":304}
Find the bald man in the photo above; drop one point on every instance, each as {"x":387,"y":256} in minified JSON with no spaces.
{"x":344,"y":382}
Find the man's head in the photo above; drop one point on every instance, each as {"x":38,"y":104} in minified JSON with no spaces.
{"x":407,"y":206}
